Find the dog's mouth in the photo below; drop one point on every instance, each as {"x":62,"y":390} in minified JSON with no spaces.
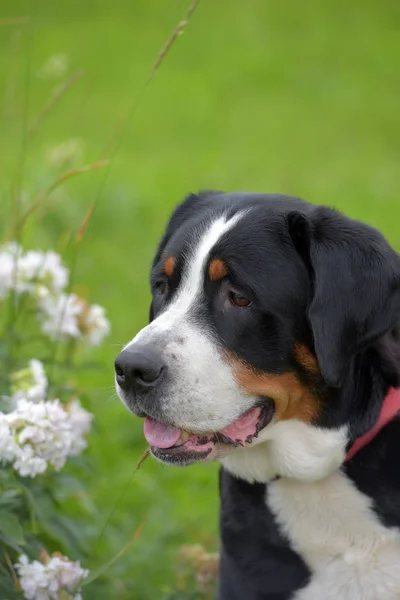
{"x":177,"y":446}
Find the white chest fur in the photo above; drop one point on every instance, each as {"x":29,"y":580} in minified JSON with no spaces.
{"x":352,"y":556}
{"x":332,"y":525}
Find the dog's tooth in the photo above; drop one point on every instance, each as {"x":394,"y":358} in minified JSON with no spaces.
{"x":178,"y":443}
{"x":184,"y":436}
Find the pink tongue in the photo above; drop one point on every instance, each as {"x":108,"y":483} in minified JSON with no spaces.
{"x":244,"y":426}
{"x":159,"y":434}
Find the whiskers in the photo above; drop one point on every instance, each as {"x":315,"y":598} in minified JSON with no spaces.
{"x":108,"y":394}
{"x":119,"y":345}
{"x":111,"y":398}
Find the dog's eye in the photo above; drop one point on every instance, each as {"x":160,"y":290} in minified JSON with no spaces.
{"x":238,"y":300}
{"x":161,"y":287}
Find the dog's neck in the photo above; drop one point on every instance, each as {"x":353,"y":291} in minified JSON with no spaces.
{"x":390,"y":408}
{"x":289,"y":449}
{"x":304,"y":452}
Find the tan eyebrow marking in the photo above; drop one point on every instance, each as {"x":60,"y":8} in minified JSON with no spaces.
{"x":217,"y":269}
{"x":169,"y":266}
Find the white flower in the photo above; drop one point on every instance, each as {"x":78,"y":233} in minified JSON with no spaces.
{"x":60,"y":316}
{"x":8,"y":446}
{"x":6,"y":271}
{"x":29,"y":266}
{"x":69,"y":317}
{"x":43,"y":276}
{"x":55,"y":271}
{"x":37,"y":435}
{"x":27,"y":464}
{"x":38,"y":390}
{"x":80,"y":420}
{"x":44,"y":267}
{"x":12,"y":248}
{"x":30,"y":383}
{"x":55,"y":66}
{"x":33,"y":578}
{"x":44,"y":581}
{"x":70,"y":574}
{"x":96,"y":325}
{"x":31,"y":272}
{"x":11,"y":277}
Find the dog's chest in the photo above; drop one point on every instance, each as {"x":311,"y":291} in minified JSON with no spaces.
{"x":333,"y":527}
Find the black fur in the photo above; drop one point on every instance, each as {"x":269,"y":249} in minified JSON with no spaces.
{"x":332,"y":284}
{"x":256,"y":560}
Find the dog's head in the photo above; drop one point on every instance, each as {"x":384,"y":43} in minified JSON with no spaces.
{"x":273,"y":328}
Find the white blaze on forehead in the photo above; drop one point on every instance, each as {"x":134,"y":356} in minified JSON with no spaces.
{"x":192,"y":278}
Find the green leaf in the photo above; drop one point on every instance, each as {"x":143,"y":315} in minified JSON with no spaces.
{"x":31,"y":505}
{"x":9,"y":497}
{"x":11,"y":527}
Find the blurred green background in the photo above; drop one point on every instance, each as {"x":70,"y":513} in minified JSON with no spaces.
{"x":294,"y":97}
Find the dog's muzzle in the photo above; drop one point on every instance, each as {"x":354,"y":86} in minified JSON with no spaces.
{"x":139,"y":369}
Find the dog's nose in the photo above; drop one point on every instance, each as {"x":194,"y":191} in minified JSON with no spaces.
{"x":139,"y":368}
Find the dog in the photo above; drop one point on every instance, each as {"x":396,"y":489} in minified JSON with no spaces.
{"x":274,"y":348}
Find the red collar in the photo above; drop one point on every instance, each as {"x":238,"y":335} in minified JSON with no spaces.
{"x":390,"y":408}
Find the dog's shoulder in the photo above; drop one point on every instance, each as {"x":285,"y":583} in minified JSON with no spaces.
{"x":253,"y":543}
{"x":342,"y":534}
{"x":314,"y":537}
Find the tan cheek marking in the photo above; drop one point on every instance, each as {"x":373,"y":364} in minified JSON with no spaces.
{"x":217,"y":269}
{"x":306,"y":359}
{"x":292,"y":399}
{"x":169,"y":266}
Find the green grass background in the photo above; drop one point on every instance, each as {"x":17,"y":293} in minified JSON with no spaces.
{"x":294,"y":97}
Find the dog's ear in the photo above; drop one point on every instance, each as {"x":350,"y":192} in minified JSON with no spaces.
{"x":355,"y":283}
